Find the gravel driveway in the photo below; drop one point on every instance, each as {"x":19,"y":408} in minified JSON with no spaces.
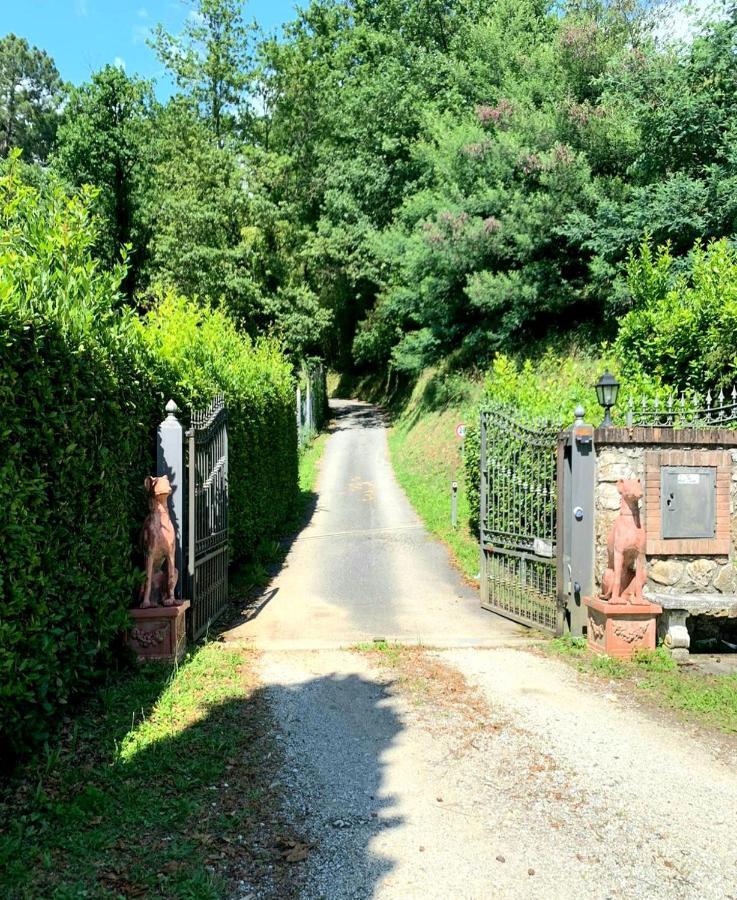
{"x":477,"y":770}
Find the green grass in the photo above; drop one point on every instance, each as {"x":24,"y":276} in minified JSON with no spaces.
{"x":710,"y":700}
{"x":309,"y":465}
{"x":426,"y":456}
{"x":390,"y":652}
{"x":156,"y":788}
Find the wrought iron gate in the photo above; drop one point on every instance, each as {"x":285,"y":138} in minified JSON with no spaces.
{"x":518,"y":524}
{"x":207,"y":556}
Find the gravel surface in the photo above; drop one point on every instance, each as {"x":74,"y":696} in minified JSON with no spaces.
{"x":543,"y":785}
{"x":556,"y":792}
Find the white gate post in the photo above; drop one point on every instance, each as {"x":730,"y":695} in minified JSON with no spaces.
{"x":310,"y":417}
{"x":170,"y":462}
{"x":299,"y":415}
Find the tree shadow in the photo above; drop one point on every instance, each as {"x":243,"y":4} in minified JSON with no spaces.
{"x":277,"y":792}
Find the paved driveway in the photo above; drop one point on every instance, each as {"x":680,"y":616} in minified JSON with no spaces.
{"x":365,"y":567}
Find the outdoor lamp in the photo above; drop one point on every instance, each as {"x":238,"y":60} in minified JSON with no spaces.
{"x":607,"y":388}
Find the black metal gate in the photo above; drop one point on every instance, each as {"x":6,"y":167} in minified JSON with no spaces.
{"x":518,"y":525}
{"x":207,"y":556}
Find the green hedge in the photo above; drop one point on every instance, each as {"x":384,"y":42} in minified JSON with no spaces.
{"x":198,"y":352}
{"x":83,"y":383}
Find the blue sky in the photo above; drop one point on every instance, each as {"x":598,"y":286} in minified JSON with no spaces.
{"x":84,"y":35}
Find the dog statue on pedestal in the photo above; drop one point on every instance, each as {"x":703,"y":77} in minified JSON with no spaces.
{"x":626,"y":572}
{"x":159,"y":542}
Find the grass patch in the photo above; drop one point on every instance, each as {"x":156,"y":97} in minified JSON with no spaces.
{"x":709,"y":700}
{"x":426,"y":456}
{"x":157,"y":788}
{"x":309,"y":466}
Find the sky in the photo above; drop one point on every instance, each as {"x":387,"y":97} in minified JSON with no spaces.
{"x":84,"y":35}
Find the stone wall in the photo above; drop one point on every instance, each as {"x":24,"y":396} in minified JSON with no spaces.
{"x":672,"y":573}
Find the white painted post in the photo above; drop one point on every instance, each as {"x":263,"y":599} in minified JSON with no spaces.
{"x":299,"y":415}
{"x":170,"y":462}
{"x":310,"y":417}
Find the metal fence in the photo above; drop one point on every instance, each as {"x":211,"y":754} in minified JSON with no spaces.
{"x":684,"y":411}
{"x":518,"y":527}
{"x":207,"y":555}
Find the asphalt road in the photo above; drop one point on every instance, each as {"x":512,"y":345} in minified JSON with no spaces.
{"x":364,"y":567}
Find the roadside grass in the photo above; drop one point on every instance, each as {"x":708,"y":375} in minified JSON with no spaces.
{"x":309,"y":468}
{"x":157,"y":787}
{"x":427,"y":457}
{"x":709,"y":700}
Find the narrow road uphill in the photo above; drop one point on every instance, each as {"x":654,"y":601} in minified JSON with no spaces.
{"x":364,"y":567}
{"x":461,"y":764}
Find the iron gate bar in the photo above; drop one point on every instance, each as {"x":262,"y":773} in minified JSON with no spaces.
{"x":519,"y":518}
{"x":207,"y":559}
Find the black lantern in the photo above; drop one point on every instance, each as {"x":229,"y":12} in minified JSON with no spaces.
{"x":607,"y":389}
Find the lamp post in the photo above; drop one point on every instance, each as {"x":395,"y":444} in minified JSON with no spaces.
{"x":607,"y":389}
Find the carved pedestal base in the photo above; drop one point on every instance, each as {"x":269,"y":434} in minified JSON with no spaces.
{"x":618,"y":629}
{"x":158,"y":632}
{"x":675,"y":633}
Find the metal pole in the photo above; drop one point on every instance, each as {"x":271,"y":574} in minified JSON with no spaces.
{"x":192,"y":502}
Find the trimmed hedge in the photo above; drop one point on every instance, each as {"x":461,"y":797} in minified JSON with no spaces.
{"x":83,"y":383}
{"x":197,"y":352}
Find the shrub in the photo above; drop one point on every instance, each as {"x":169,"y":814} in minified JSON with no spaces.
{"x":75,"y":438}
{"x":198,"y":352}
{"x":683,"y":331}
{"x":83,"y":384}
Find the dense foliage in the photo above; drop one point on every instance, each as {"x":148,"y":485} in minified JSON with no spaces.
{"x":197,"y":351}
{"x":392,"y":181}
{"x":82,"y":385}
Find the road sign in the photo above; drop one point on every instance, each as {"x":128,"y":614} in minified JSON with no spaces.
{"x":460,"y":430}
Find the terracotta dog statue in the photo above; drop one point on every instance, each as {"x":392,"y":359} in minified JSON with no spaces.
{"x":626,"y":573}
{"x":159,"y":543}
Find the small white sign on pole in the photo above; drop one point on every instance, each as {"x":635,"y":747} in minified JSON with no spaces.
{"x":460,"y":430}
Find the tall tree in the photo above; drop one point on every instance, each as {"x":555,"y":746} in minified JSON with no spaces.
{"x":211,"y":61}
{"x":103,"y":140}
{"x":31,"y":92}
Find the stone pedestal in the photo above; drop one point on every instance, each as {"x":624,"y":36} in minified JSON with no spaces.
{"x":159,"y":632}
{"x":618,"y":629}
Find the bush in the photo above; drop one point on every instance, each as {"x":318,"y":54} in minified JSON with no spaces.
{"x":198,"y":352}
{"x":75,"y":440}
{"x":83,"y":384}
{"x":683,"y":331}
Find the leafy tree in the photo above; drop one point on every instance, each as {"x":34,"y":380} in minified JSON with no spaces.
{"x":194,"y":213}
{"x":210,"y":61}
{"x":104,"y":140}
{"x":31,"y":93}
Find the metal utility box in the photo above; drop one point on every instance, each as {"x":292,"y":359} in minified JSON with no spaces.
{"x":688,"y":501}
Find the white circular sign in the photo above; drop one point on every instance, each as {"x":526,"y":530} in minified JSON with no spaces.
{"x":460,"y":430}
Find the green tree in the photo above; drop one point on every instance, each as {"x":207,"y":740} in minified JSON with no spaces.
{"x":195,"y":210}
{"x":31,"y":93}
{"x":210,"y":61}
{"x":104,"y":140}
